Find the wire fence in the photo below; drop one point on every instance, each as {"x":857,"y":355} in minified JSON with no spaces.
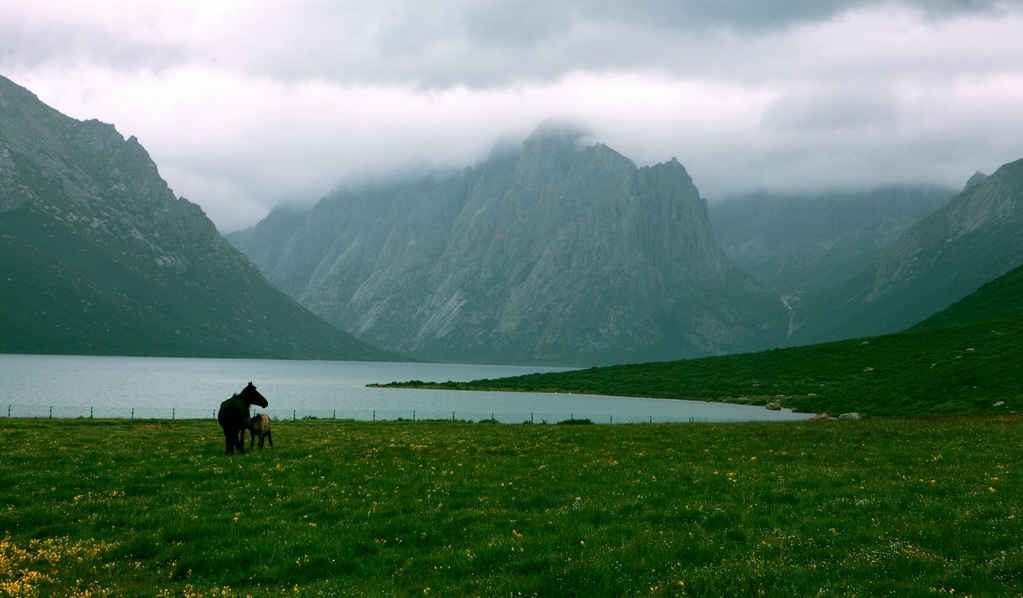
{"x":176,"y":413}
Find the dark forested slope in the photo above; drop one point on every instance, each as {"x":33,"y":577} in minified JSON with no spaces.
{"x":97,"y":255}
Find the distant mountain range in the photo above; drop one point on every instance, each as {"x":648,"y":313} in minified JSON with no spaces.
{"x":549,"y":252}
{"x":97,"y":256}
{"x":799,"y":243}
{"x":560,"y":253}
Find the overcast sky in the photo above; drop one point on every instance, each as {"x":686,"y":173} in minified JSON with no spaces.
{"x":245,"y":104}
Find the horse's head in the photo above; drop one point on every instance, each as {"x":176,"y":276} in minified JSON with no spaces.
{"x":251,"y":396}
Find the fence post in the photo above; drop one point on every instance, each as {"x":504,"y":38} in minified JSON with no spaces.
{"x":413,"y":415}
{"x":293,"y":416}
{"x":452,"y":416}
{"x":612,"y":419}
{"x":90,"y":412}
{"x":172,"y":413}
{"x":51,"y":411}
{"x":374,"y":415}
{"x":335,"y":415}
{"x":531,"y":418}
{"x":133,"y":413}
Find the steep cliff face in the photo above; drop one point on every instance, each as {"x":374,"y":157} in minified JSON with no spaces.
{"x":974,"y":239}
{"x":553,"y":252}
{"x":97,"y":255}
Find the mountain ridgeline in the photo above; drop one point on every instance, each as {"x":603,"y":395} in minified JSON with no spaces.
{"x":551,"y":252}
{"x":973,"y":239}
{"x":97,"y":256}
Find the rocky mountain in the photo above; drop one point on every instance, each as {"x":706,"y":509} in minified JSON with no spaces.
{"x":97,"y":255}
{"x":974,"y":239}
{"x":547,"y":252}
{"x":806,"y":242}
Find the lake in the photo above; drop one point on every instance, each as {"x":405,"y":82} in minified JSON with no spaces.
{"x":185,"y":388}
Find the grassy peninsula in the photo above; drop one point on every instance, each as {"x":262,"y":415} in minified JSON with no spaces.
{"x":969,"y":368}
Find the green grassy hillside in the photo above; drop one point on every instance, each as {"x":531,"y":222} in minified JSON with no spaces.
{"x":1000,"y":298}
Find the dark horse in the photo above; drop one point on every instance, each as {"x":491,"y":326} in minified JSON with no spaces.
{"x":234,"y":414}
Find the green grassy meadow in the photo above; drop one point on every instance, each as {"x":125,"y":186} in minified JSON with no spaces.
{"x":878,"y":507}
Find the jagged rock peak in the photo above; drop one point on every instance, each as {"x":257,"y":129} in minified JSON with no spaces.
{"x":674,"y":166}
{"x":560,"y":252}
{"x":977,"y":178}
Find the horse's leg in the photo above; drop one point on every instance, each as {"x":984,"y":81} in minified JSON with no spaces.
{"x":270,"y":438}
{"x":228,"y":441}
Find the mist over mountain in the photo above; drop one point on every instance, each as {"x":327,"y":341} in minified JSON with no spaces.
{"x":799,"y":243}
{"x":975,"y":238}
{"x":548,"y":252}
{"x":97,"y":255}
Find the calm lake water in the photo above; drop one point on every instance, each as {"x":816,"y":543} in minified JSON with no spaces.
{"x":166,"y":388}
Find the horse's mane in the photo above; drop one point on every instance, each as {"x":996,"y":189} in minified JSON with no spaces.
{"x":251,"y":396}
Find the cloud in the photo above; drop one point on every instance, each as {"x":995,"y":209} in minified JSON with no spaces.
{"x":832,"y":108}
{"x":436,"y":45}
{"x":67,"y":35}
{"x":247,"y":103}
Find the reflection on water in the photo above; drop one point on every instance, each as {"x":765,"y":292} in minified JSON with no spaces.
{"x":156,"y":387}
